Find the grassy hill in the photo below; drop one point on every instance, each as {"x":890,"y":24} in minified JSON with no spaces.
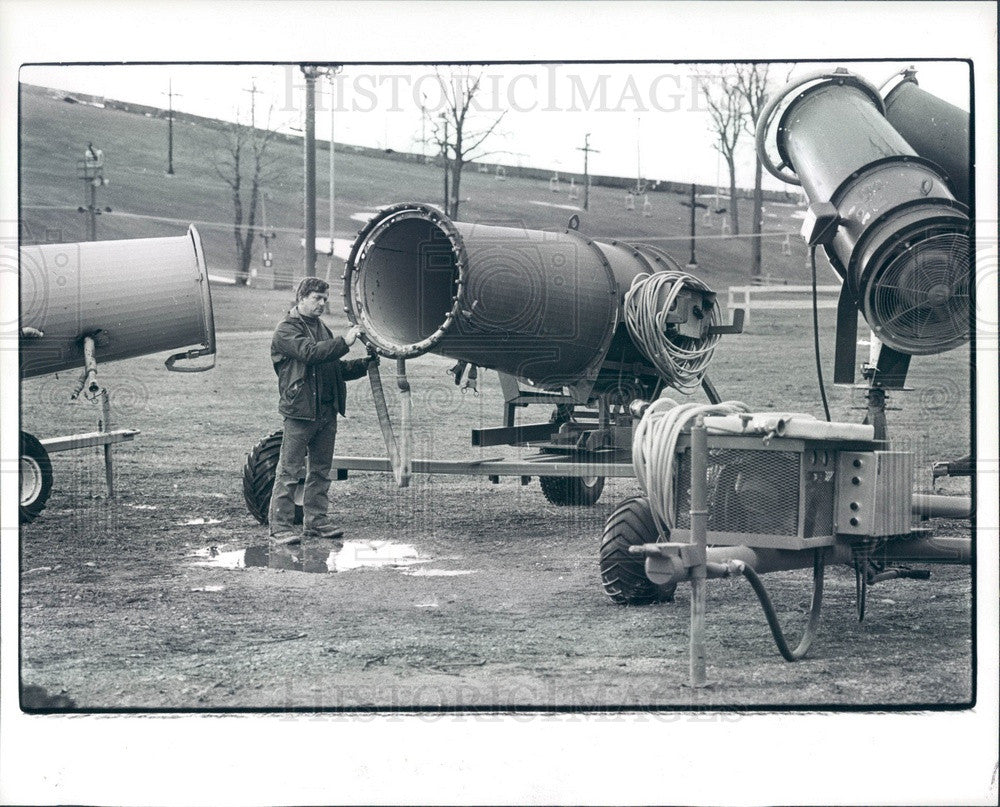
{"x":147,"y":202}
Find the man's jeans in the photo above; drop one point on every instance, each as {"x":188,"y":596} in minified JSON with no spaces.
{"x":314,"y":438}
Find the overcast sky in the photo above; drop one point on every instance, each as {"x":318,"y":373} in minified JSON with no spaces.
{"x":642,"y":118}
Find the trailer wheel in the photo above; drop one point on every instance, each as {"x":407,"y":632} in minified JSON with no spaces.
{"x":35,"y":476}
{"x":623,"y":575}
{"x":572,"y":490}
{"x":258,"y":478}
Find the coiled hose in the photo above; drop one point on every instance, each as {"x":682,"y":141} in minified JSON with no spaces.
{"x":680,"y":360}
{"x":654,"y":448}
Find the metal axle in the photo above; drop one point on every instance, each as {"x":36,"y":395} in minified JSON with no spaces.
{"x":661,"y":566}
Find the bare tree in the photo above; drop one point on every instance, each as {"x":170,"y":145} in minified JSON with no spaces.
{"x":244,"y":167}
{"x":727,"y":114}
{"x":456,"y":131}
{"x":752,"y":86}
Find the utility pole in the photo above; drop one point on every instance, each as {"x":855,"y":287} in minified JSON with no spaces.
{"x":265,"y":233}
{"x":170,"y":124}
{"x":91,"y":171}
{"x":444,"y":154}
{"x":586,"y":172}
{"x":310,"y":72}
{"x":423,"y":127}
{"x":694,"y":204}
{"x":253,"y":101}
{"x":638,"y":158}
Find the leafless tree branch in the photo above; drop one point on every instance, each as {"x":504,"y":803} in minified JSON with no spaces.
{"x":752,"y":86}
{"x":244,"y":166}
{"x":451,"y":131}
{"x":726,"y":114}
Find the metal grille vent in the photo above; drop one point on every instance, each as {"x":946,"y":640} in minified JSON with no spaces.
{"x":921,"y":300}
{"x":748,"y":491}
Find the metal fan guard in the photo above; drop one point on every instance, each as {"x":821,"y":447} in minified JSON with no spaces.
{"x":920,"y":302}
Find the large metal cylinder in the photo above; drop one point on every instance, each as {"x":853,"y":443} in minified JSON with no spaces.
{"x":134,"y":297}
{"x":937,"y":130}
{"x":903,"y":245}
{"x":542,"y":306}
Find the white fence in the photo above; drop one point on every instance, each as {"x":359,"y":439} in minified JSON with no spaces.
{"x":775,"y":297}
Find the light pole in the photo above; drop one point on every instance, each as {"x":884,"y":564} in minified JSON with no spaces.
{"x":310,"y":72}
{"x":331,"y":75}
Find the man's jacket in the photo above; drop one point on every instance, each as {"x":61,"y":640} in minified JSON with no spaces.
{"x":298,"y":356}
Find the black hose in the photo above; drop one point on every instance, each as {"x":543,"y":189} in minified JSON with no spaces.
{"x":819,"y":364}
{"x":772,"y":617}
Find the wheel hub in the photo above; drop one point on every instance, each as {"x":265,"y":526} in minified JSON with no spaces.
{"x":31,"y":480}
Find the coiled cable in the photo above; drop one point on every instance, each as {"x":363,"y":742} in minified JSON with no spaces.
{"x":654,"y":448}
{"x":680,"y":360}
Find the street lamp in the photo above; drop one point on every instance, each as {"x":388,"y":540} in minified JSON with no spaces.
{"x":309,"y":143}
{"x":331,"y":74}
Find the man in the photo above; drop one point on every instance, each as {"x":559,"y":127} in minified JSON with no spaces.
{"x":311,"y":389}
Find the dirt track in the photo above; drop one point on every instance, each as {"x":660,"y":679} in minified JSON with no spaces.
{"x":114,"y":625}
{"x":116,"y":613}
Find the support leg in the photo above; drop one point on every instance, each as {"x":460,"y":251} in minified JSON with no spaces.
{"x":405,"y":425}
{"x":876,"y":412}
{"x":378,"y":397}
{"x":699,"y":526}
{"x":105,"y":426}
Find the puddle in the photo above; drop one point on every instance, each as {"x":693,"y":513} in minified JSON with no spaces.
{"x":375,"y":554}
{"x":305,"y":558}
{"x":314,"y":556}
{"x":200,"y":522}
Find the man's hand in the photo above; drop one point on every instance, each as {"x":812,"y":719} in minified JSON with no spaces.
{"x":352,"y":335}
{"x":372,"y":359}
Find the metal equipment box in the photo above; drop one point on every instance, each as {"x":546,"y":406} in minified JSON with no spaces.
{"x":874,"y":492}
{"x":782,"y":494}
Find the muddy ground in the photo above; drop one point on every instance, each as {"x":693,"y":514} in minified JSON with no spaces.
{"x":118,"y":610}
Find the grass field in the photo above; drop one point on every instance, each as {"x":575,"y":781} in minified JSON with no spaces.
{"x":54,"y":134}
{"x":116,"y":613}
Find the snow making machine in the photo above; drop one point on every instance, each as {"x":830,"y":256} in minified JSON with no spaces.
{"x":587,"y":329}
{"x":98,"y":301}
{"x":730,"y":492}
{"x":600,"y":332}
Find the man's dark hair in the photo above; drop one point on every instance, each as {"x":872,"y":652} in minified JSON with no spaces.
{"x":310,"y":284}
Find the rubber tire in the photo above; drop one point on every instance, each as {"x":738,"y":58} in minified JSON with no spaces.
{"x":258,"y":477}
{"x":571,"y":491}
{"x":34,"y":452}
{"x":623,"y":575}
